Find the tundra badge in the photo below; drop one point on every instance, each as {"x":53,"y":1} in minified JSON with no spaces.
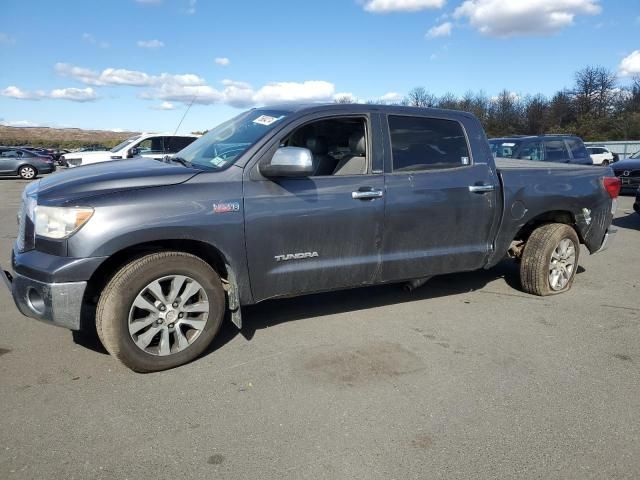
{"x":295,"y":256}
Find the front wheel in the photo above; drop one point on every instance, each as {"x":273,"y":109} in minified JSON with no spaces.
{"x":605,"y":163}
{"x":550,"y":260}
{"x":27,"y":172}
{"x":160,"y":311}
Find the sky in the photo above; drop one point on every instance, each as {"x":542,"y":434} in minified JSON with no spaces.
{"x":138,"y":64}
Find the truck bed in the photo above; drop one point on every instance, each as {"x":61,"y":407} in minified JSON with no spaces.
{"x":529,"y":187}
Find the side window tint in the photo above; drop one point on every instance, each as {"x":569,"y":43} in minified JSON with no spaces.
{"x":420,"y":143}
{"x":578,"y":149}
{"x":556,"y":150}
{"x":531,"y":151}
{"x":175,"y":144}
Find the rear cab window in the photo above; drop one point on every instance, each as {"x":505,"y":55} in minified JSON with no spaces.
{"x":421,"y":143}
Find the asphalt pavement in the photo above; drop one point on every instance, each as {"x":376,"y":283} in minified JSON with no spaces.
{"x":465,"y":378}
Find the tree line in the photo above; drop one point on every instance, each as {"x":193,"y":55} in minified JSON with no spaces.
{"x":596,"y":108}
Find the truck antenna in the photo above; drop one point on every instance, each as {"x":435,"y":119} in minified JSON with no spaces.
{"x":185,"y":114}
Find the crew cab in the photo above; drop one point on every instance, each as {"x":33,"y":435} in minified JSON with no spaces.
{"x":146,"y":145}
{"x":286,"y":201}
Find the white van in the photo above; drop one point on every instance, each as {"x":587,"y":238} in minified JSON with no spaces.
{"x":146,"y":145}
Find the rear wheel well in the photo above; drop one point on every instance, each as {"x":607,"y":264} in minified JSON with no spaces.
{"x":115,"y":262}
{"x":556,"y":216}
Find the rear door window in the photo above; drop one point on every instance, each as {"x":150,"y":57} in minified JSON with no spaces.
{"x":531,"y":151}
{"x":578,"y":149}
{"x":556,"y":151}
{"x":420,"y":143}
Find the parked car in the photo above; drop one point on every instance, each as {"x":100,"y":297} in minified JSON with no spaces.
{"x":24,"y":163}
{"x":601,"y":155}
{"x":148,"y":145}
{"x":286,"y":201}
{"x":545,"y":148}
{"x":628,"y":171}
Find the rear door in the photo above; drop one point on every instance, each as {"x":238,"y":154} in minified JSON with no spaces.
{"x":317,"y":233}
{"x":556,"y":151}
{"x":441,"y":202}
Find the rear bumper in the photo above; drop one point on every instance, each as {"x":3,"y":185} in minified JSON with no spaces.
{"x":609,"y":236}
{"x":54,"y":303}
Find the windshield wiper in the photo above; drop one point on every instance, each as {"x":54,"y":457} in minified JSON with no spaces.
{"x":179,"y":160}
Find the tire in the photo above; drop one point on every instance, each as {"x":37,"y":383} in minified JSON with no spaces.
{"x":116,"y":313}
{"x":541,"y":260}
{"x":605,"y":163}
{"x":27,"y":172}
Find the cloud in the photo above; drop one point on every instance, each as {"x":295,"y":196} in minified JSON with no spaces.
{"x":391,"y":97}
{"x":87,"y":37}
{"x":386,"y":6}
{"x":164,"y":106}
{"x":224,"y":61}
{"x":73,"y":94}
{"x":150,"y":44}
{"x":286,"y":92}
{"x":191,"y":9}
{"x":6,"y":39}
{"x":122,"y":76}
{"x":19,"y":123}
{"x":345,"y":97}
{"x":630,"y":65}
{"x":508,"y":18}
{"x":14,"y":92}
{"x":443,"y":30}
{"x":242,"y":95}
{"x":190,"y":87}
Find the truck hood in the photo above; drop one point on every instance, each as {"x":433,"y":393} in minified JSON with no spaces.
{"x":626,"y":164}
{"x":69,"y":186}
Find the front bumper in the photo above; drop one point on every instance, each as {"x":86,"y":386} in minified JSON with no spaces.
{"x":54,"y":303}
{"x":609,"y":236}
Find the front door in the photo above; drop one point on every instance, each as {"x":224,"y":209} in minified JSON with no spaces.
{"x":322,"y":232}
{"x":441,"y":203}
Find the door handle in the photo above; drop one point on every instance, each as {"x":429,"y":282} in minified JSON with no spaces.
{"x":366,"y":194}
{"x":481,"y":188}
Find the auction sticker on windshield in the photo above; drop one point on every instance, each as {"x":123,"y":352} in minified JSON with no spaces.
{"x":265,"y":120}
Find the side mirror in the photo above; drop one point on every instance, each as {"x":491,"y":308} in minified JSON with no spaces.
{"x":289,"y":162}
{"x":133,"y":152}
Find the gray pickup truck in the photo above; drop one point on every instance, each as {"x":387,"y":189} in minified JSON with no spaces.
{"x":286,"y":201}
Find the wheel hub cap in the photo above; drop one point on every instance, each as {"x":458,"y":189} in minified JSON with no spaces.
{"x":562,"y":264}
{"x":159,"y":328}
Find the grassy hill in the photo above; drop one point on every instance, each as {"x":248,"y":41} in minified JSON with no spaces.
{"x":60,"y":137}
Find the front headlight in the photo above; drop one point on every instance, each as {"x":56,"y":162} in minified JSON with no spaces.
{"x":60,"y":222}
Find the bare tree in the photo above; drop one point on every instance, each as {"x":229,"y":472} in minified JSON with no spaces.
{"x":419,"y":97}
{"x":594,"y":91}
{"x":344,"y":99}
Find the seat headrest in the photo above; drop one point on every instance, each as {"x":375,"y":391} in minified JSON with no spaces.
{"x":356,"y":143}
{"x":317,"y":145}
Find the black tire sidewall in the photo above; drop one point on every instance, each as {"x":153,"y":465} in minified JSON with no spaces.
{"x":565,"y":232}
{"x":127,"y":289}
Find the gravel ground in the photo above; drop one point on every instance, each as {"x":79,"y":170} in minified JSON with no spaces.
{"x":465,"y":378}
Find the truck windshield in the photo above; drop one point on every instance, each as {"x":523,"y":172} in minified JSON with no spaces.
{"x":120,"y":146}
{"x":223,"y":145}
{"x":503,"y":148}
